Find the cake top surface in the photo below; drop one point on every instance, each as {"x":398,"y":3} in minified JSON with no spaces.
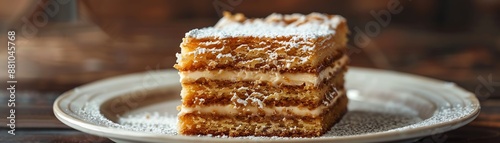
{"x":309,"y":26}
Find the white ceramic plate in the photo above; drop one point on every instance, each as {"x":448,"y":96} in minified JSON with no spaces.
{"x":384,"y":106}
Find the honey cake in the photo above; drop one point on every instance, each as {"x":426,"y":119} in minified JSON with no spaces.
{"x":282,"y":75}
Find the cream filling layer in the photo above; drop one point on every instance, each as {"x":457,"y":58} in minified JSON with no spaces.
{"x":233,"y":110}
{"x":276,"y":78}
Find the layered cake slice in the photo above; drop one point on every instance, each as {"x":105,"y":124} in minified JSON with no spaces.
{"x":278,"y":76}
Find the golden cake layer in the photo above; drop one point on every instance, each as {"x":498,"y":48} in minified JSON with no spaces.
{"x":269,"y":125}
{"x":275,"y":78}
{"x":305,"y":50}
{"x":204,"y":92}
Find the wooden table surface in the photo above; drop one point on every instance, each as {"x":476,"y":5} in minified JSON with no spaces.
{"x":57,"y":61}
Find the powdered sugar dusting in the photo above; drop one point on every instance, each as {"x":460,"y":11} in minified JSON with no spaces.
{"x":154,"y":123}
{"x":256,"y":100}
{"x":241,"y":101}
{"x":306,"y":31}
{"x":200,"y":50}
{"x":301,"y":26}
{"x":228,"y":55}
{"x":252,"y":98}
{"x":356,"y":122}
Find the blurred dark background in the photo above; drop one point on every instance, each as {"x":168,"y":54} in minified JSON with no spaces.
{"x":64,"y":43}
{"x":83,"y":41}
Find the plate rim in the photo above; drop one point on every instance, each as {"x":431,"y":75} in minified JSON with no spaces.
{"x":121,"y":134}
